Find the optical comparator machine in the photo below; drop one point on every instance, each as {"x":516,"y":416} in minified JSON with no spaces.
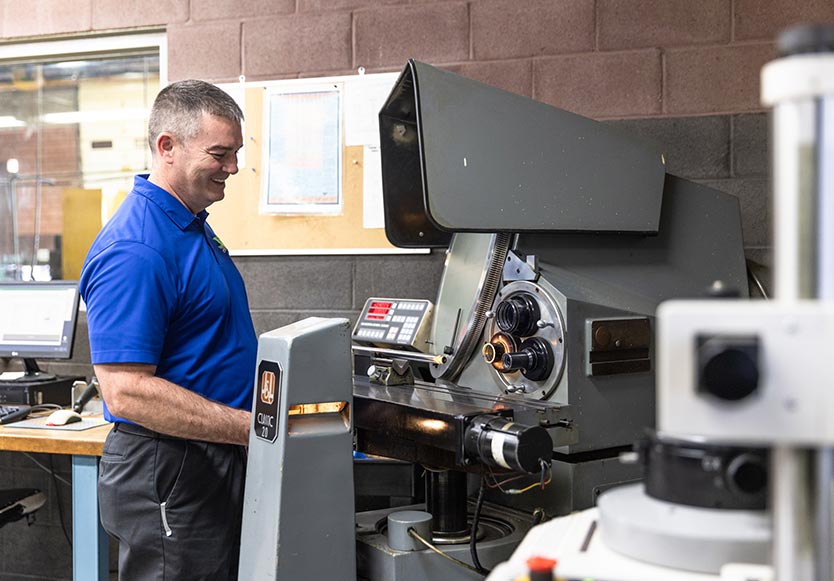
{"x":534,"y":367}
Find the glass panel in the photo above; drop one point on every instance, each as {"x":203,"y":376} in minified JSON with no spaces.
{"x":72,"y":134}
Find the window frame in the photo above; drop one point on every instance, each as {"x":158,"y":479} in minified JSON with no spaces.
{"x":88,"y":47}
{"x":93,"y":47}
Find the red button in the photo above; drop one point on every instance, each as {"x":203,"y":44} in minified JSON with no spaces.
{"x":540,"y":564}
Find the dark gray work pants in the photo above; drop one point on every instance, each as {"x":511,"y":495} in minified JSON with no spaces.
{"x":174,"y":505}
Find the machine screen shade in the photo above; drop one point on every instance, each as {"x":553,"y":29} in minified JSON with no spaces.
{"x":406,"y":222}
{"x":462,"y":156}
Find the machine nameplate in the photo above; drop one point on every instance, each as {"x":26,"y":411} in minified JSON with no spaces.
{"x":620,"y":345}
{"x":266,"y":402}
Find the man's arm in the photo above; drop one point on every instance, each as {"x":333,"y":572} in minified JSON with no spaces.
{"x":133,"y":392}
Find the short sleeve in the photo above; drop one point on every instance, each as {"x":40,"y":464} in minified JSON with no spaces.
{"x":130,"y":295}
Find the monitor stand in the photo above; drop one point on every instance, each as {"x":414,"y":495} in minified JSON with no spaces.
{"x":33,"y":373}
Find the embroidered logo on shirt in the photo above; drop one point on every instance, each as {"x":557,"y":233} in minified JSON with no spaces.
{"x":220,"y":245}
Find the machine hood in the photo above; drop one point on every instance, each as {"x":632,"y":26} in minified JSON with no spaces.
{"x":462,"y":156}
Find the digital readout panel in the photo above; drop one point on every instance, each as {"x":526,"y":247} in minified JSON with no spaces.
{"x":396,"y":323}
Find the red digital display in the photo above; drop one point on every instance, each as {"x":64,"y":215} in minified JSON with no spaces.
{"x":376,"y":317}
{"x":379,"y":311}
{"x":381,"y":305}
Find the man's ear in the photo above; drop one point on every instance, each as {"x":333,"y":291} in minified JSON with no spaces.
{"x":165,"y":146}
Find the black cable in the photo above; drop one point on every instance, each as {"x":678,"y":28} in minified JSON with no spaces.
{"x":473,"y":537}
{"x":60,"y":508}
{"x":415,"y":535}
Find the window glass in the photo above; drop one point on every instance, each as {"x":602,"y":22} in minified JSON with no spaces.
{"x":73,"y":133}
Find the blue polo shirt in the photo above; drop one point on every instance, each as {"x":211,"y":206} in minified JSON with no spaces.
{"x":161,"y":289}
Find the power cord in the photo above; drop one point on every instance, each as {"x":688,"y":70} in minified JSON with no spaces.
{"x":45,"y":469}
{"x":415,"y":535}
{"x":473,"y":537}
{"x":478,"y":568}
{"x":538,"y":517}
{"x":60,"y":507}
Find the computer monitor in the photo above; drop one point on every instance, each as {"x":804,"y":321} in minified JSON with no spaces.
{"x":37,"y":321}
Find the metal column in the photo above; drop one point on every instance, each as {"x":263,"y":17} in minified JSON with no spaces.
{"x":800,"y":88}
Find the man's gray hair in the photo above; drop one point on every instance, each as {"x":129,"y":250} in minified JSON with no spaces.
{"x":180,"y":106}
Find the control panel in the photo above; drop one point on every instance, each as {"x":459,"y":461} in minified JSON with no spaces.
{"x":395,"y":323}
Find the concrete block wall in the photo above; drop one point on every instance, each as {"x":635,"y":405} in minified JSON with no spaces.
{"x":683,"y":73}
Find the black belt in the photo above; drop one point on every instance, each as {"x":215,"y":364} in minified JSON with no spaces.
{"x":137,"y":430}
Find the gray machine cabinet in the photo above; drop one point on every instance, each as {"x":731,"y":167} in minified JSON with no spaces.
{"x":298,"y":512}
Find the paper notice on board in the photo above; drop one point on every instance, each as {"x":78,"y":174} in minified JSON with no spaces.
{"x":303,"y":157}
{"x":373,"y":214}
{"x":364,"y":98}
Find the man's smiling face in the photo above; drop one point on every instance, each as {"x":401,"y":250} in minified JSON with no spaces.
{"x":202,"y":164}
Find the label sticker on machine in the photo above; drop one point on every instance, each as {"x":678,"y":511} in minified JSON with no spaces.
{"x":266,"y":401}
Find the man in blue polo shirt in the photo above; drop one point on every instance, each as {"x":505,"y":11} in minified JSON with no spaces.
{"x":174,"y":350}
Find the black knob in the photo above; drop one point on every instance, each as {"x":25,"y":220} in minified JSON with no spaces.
{"x":728,"y":366}
{"x":747,"y":475}
{"x":518,"y":315}
{"x":806,"y":39}
{"x":534,"y":359}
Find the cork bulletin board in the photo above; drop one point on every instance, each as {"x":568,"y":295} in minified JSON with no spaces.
{"x":245,"y":230}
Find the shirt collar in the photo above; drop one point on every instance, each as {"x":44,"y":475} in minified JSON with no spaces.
{"x":173,"y":208}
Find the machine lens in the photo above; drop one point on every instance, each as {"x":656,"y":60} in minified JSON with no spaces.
{"x":518,"y":315}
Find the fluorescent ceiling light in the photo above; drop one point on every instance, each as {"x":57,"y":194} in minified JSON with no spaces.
{"x":10,"y":121}
{"x":99,"y":116}
{"x":68,"y":64}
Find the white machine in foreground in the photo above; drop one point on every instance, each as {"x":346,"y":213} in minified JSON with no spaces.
{"x":745,"y":383}
{"x":583,"y":554}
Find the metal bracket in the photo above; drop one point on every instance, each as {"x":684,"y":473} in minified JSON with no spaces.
{"x":517,"y":269}
{"x":398,"y":373}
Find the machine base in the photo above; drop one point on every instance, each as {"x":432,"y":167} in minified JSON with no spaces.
{"x":503,"y":530}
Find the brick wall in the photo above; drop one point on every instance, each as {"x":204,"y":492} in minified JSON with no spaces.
{"x":684,"y":73}
{"x":603,"y":58}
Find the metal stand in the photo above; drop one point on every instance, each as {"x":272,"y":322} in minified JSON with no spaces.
{"x":799,"y":86}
